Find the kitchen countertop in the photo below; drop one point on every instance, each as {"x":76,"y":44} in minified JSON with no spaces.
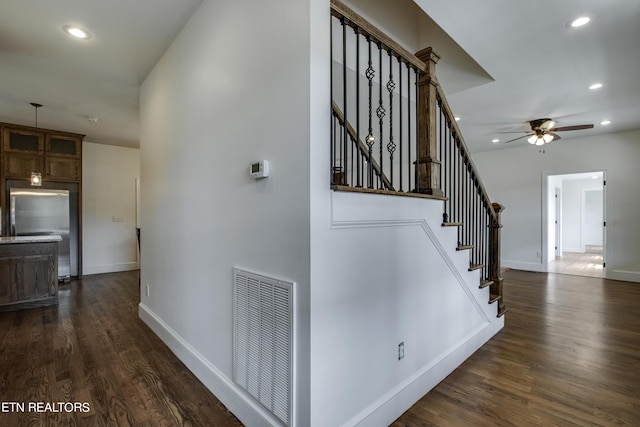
{"x":30,"y":239}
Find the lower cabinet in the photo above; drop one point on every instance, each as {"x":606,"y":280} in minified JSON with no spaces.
{"x":28,"y":275}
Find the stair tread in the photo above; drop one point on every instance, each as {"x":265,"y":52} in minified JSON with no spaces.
{"x":502,"y":311}
{"x":493,"y":298}
{"x":465,"y":247}
{"x":485,"y":283}
{"x":452,"y":224}
{"x":475,"y":267}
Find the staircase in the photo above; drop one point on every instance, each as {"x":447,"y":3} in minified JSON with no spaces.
{"x":393,"y":133}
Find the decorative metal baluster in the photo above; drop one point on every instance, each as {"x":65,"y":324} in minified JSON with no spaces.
{"x":370,"y":74}
{"x":333,"y":147}
{"x":452,"y":181}
{"x":380,"y":112}
{"x":400,"y":113}
{"x":459,"y":192}
{"x":409,"y":125}
{"x":333,"y":117}
{"x":343,"y":22}
{"x":442,"y":157}
{"x":391,"y":146}
{"x":467,"y":200}
{"x":356,"y":30}
{"x":469,"y":206}
{"x":415,"y":166}
{"x":474,"y":215}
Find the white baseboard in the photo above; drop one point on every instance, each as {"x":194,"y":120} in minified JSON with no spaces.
{"x":526,"y":266}
{"x":624,"y":275}
{"x":576,"y":249}
{"x":386,"y":409}
{"x":247,"y":411}
{"x":88,"y":270}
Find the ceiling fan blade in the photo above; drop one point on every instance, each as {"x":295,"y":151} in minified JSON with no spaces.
{"x":565,"y":128}
{"x":555,"y":137}
{"x":517,"y":131}
{"x":548,"y":124}
{"x":515,"y":139}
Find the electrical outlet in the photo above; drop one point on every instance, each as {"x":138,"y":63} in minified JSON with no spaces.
{"x":148,"y":289}
{"x":401,"y":351}
{"x":117,"y":218}
{"x":538,"y":254}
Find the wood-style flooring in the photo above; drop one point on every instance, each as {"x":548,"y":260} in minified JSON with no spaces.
{"x":569,"y":355}
{"x":93,"y":349}
{"x":587,"y":263}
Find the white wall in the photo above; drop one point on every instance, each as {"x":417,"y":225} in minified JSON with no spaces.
{"x":233,"y":88}
{"x":593,"y":219}
{"x":574,"y":213}
{"x":514,"y":177}
{"x":391,"y":275}
{"x":108,"y":190}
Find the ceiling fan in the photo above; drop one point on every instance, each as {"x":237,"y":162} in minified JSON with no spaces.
{"x":542,"y":131}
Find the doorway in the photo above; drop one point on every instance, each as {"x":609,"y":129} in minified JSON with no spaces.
{"x":576,"y":224}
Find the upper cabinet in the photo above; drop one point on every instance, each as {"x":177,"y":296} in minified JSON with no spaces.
{"x":56,"y":155}
{"x":61,"y":145}
{"x":22,"y":141}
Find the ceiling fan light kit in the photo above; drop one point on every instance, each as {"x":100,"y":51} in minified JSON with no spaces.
{"x":542,"y":131}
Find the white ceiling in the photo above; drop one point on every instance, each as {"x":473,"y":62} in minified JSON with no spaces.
{"x":541,"y":68}
{"x":529,"y":64}
{"x":77,"y":79}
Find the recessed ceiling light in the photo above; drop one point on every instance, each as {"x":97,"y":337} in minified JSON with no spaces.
{"x":580,"y":21}
{"x":495,"y":140}
{"x":457,"y":119}
{"x":605,"y":122}
{"x":77,"y":32}
{"x":595,"y":86}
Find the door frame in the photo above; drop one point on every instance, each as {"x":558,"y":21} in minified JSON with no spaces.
{"x":548,"y":193}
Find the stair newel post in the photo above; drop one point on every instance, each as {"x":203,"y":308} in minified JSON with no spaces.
{"x":496,"y":286}
{"x":427,"y":163}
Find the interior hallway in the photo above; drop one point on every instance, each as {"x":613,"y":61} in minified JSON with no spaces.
{"x":588,"y":263}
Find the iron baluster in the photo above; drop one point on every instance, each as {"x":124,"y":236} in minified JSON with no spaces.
{"x":344,"y":98}
{"x":400,"y":114}
{"x":391,"y":146}
{"x":380,"y":111}
{"x":356,"y":30}
{"x":370,"y":73}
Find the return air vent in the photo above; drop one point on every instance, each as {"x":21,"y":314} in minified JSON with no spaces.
{"x":263,"y":341}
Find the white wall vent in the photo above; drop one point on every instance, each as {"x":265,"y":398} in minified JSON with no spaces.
{"x":263,"y":341}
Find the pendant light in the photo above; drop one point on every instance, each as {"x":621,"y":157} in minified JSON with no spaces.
{"x":36,"y":177}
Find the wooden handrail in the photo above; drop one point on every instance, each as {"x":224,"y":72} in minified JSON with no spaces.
{"x":364,"y":149}
{"x":340,"y":10}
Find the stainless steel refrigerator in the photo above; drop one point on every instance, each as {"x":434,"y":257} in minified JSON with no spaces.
{"x":39,"y":212}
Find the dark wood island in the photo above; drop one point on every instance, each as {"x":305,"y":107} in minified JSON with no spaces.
{"x":28,"y":271}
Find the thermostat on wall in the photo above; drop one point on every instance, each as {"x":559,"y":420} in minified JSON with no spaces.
{"x":259,"y":169}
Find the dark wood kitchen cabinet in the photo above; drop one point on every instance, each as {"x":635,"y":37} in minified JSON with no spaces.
{"x":28,"y":271}
{"x":56,"y":155}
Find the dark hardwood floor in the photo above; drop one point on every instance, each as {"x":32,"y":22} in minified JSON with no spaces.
{"x":569,"y":355}
{"x":92,"y":348}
